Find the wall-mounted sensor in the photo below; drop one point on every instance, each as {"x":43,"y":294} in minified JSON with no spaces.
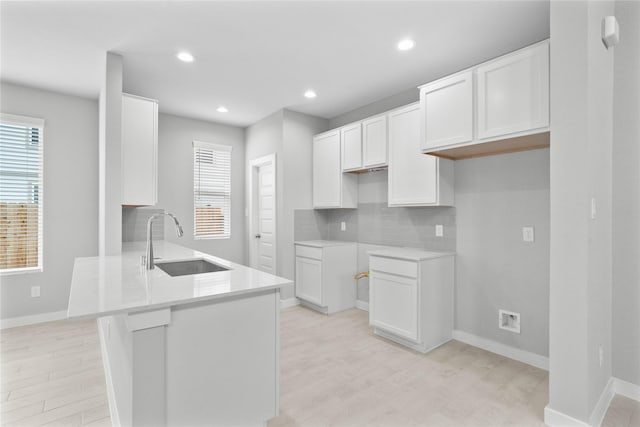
{"x":610,"y":31}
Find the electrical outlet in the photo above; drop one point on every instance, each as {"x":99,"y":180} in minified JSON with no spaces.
{"x":527,"y":234}
{"x":601,"y":355}
{"x":35,"y":291}
{"x":509,"y":321}
{"x":593,"y":208}
{"x":439,"y":230}
{"x":343,"y":226}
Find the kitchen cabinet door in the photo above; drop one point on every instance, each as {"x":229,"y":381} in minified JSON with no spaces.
{"x":326,"y":170}
{"x":394,"y":304}
{"x":447,"y":111}
{"x":513,"y":93}
{"x":331,"y":188}
{"x":374,"y":142}
{"x":139,"y":151}
{"x":351,"y":145}
{"x":309,"y":280}
{"x":412,"y":175}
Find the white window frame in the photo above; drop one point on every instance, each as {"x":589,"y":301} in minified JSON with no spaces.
{"x":16,"y":120}
{"x":227,"y":217}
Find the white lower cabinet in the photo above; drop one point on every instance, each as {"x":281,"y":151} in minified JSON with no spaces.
{"x":411,"y":298}
{"x":325,"y":275}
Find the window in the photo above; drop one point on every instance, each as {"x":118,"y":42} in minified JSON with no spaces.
{"x":211,"y":191}
{"x":20,"y":193}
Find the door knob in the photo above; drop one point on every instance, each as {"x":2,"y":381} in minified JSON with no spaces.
{"x":257,"y":236}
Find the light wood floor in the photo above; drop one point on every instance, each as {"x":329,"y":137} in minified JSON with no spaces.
{"x":334,"y":371}
{"x":52,"y":375}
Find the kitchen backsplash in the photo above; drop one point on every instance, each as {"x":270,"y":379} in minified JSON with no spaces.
{"x":134,"y":224}
{"x":378,"y":224}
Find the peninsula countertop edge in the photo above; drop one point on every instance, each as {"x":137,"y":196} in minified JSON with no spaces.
{"x":117,"y":284}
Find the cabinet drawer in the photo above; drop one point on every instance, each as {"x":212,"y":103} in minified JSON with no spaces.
{"x":309,"y":252}
{"x":394,"y":266}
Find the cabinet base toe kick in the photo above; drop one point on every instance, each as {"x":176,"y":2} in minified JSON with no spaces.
{"x":312,"y":306}
{"x":419,"y":347}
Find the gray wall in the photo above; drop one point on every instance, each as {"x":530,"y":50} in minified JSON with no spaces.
{"x":398,"y":100}
{"x":175,"y":181}
{"x":70,"y":196}
{"x":109,"y":158}
{"x":626,"y":196}
{"x":581,"y":152}
{"x":495,"y":197}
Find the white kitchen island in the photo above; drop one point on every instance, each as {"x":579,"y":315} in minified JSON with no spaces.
{"x":191,"y":350}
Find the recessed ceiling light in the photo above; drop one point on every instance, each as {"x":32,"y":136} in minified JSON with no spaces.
{"x":185,"y":57}
{"x":222,"y":109}
{"x":309,"y":94}
{"x":406,"y":44}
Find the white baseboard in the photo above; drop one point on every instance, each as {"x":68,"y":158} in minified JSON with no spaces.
{"x":14,"y":322}
{"x":555,"y":418}
{"x":626,"y":389}
{"x":523,"y":356}
{"x":600,"y":410}
{"x":362,"y":305}
{"x":291,"y":302}
{"x":111,"y":394}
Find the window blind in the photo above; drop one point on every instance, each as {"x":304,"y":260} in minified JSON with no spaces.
{"x":21,"y":193}
{"x":211,"y":190}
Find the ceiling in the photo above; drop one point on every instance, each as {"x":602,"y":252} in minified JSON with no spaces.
{"x":258,"y":57}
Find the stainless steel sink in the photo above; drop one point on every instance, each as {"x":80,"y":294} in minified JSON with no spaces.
{"x":190,"y":266}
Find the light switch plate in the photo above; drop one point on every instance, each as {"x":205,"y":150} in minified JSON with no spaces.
{"x":343,"y":226}
{"x":527,"y":234}
{"x":35,"y":291}
{"x":439,"y":230}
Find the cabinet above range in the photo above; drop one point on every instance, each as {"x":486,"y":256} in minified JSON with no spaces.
{"x":497,"y":107}
{"x":364,"y":144}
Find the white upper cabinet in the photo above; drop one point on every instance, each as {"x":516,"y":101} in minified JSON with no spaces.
{"x":374,"y":142}
{"x":415,"y":179}
{"x":331,"y":188}
{"x":513,"y":93}
{"x":351,"y":144}
{"x":447,"y":111}
{"x":139,"y":151}
{"x":496,"y":107}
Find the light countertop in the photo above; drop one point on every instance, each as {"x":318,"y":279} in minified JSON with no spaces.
{"x":323,"y":243}
{"x":106,"y":285}
{"x":409,"y":254}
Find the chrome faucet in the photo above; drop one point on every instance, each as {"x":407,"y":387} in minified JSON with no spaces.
{"x":148,"y":258}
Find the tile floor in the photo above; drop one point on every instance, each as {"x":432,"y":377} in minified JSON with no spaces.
{"x":334,"y":372}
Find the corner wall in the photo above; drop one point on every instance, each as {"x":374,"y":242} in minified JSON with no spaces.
{"x":70,"y":196}
{"x":626,"y":196}
{"x":581,"y":170}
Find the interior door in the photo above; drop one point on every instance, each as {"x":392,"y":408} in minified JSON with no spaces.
{"x":266,"y":219}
